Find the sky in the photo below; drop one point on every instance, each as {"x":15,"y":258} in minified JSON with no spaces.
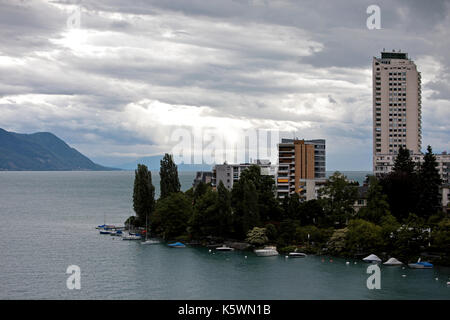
{"x":116,"y":79}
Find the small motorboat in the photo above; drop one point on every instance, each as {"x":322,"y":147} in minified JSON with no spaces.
{"x":393,"y":262}
{"x":151,"y":241}
{"x":372,"y":259}
{"x":104,"y":231}
{"x":117,"y":233}
{"x":100,"y":226}
{"x":297,"y":255}
{"x":177,"y":245}
{"x":266,"y":251}
{"x":420,"y":265}
{"x":132,"y":236}
{"x":224,"y":248}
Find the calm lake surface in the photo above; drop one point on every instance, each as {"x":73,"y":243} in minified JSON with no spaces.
{"x":48,"y":219}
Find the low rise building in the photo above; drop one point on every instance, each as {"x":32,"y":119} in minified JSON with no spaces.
{"x":230,"y":173}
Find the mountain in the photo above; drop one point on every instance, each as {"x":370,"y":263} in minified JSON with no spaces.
{"x":42,"y":151}
{"x":153,"y":163}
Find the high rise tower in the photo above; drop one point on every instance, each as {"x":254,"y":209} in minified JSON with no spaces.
{"x":396,"y":108}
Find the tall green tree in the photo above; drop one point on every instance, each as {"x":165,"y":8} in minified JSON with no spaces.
{"x":245,"y":206}
{"x":338,"y":197}
{"x":430,"y":181}
{"x":224,"y":210}
{"x":403,"y":162}
{"x":143,"y":194}
{"x":377,"y":202}
{"x":168,"y":173}
{"x":402,"y":186}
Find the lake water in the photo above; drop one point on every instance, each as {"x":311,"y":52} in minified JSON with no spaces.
{"x":47,"y":222}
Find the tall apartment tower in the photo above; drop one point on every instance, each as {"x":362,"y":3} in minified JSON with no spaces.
{"x":396,"y":108}
{"x":301,"y":167}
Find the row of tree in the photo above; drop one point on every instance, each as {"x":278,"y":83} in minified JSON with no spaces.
{"x":402,"y":215}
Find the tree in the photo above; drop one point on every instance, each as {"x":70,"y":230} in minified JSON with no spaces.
{"x":403,"y":162}
{"x":363,"y":236}
{"x":430,"y":181}
{"x":224,"y":210}
{"x":377,"y":204}
{"x":171,"y":215}
{"x":168,"y":173}
{"x":244,"y":200}
{"x":311,"y":212}
{"x":204,"y":220}
{"x":337,"y":198}
{"x":143,"y":194}
{"x":401,"y":186}
{"x":257,"y":236}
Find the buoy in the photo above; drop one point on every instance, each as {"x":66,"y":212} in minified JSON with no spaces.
{"x":403,"y":275}
{"x":436,"y":279}
{"x":355,"y":262}
{"x":286,"y":257}
{"x":245,"y":257}
{"x":347,"y":263}
{"x":209,"y":250}
{"x":448,"y":283}
{"x":323,"y":260}
{"x":331,"y":260}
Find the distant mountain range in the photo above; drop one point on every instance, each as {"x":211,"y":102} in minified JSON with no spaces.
{"x":153,"y":163}
{"x":42,"y":151}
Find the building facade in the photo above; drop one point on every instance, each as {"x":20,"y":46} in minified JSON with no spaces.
{"x":301,"y":167}
{"x":397,"y":114}
{"x":230,"y":173}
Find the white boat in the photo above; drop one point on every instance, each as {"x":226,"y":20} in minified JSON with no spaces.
{"x":266,"y":252}
{"x":131,"y":237}
{"x":372,"y":259}
{"x":151,"y":241}
{"x":224,"y":248}
{"x":297,"y":255}
{"x":393,"y":262}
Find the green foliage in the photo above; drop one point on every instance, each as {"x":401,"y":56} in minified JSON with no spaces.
{"x":271,"y":231}
{"x":410,"y":238}
{"x":403,"y":162}
{"x":337,"y":198}
{"x":316,"y":235}
{"x":212,"y":214}
{"x":245,"y":205}
{"x":430,"y":181}
{"x":377,"y":204}
{"x":257,"y":236}
{"x":363,"y":236}
{"x":311,"y":212}
{"x":336,"y":244}
{"x":169,"y":182}
{"x":441,"y":236}
{"x":286,"y":232}
{"x":143,"y":194}
{"x":171,"y":215}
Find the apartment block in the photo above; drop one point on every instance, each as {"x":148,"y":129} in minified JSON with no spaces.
{"x":230,"y":173}
{"x":301,"y":167}
{"x":397,"y":115}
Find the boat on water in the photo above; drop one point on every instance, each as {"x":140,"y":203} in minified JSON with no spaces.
{"x":132,"y":236}
{"x":297,"y":255}
{"x":420,"y":265}
{"x":266,"y":251}
{"x":372,"y":259}
{"x":393,"y":262}
{"x":117,"y":233}
{"x":177,"y":245}
{"x":224,"y":248}
{"x":104,"y":231}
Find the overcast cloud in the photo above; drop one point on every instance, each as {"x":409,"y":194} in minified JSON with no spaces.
{"x":116,"y":87}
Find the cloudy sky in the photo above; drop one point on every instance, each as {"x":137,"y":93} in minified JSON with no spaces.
{"x":116,"y":83}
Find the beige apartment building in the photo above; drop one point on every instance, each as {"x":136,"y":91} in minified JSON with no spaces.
{"x":396,"y":106}
{"x":301,"y":167}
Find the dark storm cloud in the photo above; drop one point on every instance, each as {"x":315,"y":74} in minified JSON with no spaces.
{"x":287,"y":63}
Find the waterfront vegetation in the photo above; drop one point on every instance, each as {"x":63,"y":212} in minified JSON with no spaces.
{"x":402,"y":216}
